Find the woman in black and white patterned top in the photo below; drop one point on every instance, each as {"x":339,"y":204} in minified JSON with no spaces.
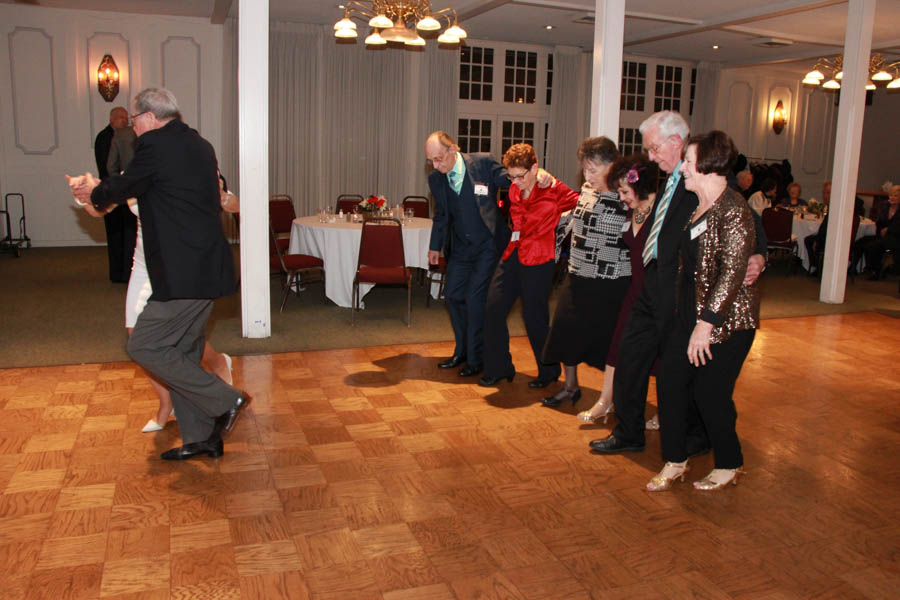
{"x":599,"y":274}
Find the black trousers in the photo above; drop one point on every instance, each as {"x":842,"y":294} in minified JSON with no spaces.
{"x":469,"y":271}
{"x":710,"y":386}
{"x":875,"y":250}
{"x":121,"y":235}
{"x":513,"y":280}
{"x":642,"y":342}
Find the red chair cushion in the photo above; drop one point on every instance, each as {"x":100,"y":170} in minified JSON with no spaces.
{"x":302,"y":261}
{"x":367,"y":274}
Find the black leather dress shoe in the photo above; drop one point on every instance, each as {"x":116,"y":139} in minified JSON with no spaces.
{"x":470,"y":371}
{"x":492,"y":381}
{"x":213,"y":449}
{"x":561,"y":396}
{"x":613,"y":445}
{"x":452,"y":362}
{"x":225,"y":422}
{"x":540,"y":383}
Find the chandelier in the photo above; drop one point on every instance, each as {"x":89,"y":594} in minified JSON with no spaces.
{"x":397,"y":21}
{"x":879,"y":71}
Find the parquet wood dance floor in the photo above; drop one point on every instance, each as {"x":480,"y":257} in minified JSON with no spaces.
{"x":370,"y":473}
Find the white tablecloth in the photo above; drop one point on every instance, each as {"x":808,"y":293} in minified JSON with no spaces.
{"x":337,"y":244}
{"x":808,"y":226}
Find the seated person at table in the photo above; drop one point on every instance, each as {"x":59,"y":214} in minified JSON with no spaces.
{"x":887,"y":236}
{"x":744,"y":183}
{"x":793,"y":199}
{"x":762,"y":199}
{"x":816,"y":241}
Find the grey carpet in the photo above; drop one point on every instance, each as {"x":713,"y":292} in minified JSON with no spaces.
{"x":57,"y":306}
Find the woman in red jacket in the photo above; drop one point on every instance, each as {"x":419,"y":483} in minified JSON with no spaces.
{"x":526,"y":268}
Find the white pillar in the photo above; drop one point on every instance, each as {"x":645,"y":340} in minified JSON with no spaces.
{"x":253,"y":133}
{"x":857,"y":45}
{"x":606,"y":83}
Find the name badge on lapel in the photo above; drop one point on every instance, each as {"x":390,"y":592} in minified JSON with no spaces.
{"x":514,"y":237}
{"x":698,"y":229}
{"x":481,"y":189}
{"x":626,"y":225}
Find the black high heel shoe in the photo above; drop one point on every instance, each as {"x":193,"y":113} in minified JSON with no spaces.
{"x":561,"y":396}
{"x":486,"y":381}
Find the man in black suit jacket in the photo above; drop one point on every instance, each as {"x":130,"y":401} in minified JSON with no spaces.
{"x":664,"y":136}
{"x":174,"y":176}
{"x":472,"y":232}
{"x":120,"y":224}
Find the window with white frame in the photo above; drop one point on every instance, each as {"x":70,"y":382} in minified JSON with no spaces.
{"x":630,"y":140}
{"x":668,"y":88}
{"x":634,"y":85}
{"x":476,"y":73}
{"x":516,"y":132}
{"x":693,"y":89}
{"x":520,"y":77}
{"x":549,"y":78}
{"x":474,"y":135}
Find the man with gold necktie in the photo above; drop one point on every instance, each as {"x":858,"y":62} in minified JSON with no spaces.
{"x":665,"y":134}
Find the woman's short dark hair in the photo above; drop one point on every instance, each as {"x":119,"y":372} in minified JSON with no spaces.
{"x":520,"y":155}
{"x":768,"y":184}
{"x":597,"y":149}
{"x":637,"y":171}
{"x":716,"y":153}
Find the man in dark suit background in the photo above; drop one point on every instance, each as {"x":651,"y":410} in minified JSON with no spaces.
{"x":472,"y":232}
{"x":120,"y":224}
{"x":174,"y":176}
{"x":664,"y":136}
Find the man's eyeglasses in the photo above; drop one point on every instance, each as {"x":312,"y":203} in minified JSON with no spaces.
{"x":131,"y":118}
{"x":654,"y":148}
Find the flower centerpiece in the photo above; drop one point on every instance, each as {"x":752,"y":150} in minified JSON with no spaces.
{"x":816,"y":208}
{"x":371,"y":206}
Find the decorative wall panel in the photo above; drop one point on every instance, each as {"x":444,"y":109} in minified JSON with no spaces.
{"x":816,"y":134}
{"x":33,"y":90}
{"x":740,"y":115}
{"x":181,"y":76}
{"x":778,"y":146}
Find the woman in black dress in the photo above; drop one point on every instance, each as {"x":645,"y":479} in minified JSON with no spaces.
{"x":598,"y":276}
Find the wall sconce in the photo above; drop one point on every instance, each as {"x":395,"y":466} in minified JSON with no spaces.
{"x":779,"y":118}
{"x":108,"y":78}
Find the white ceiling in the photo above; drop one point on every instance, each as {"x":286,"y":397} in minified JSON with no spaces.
{"x":662,"y":28}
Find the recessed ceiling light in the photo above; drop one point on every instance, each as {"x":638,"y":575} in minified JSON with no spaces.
{"x":548,"y":27}
{"x":715,"y":46}
{"x":341,"y":6}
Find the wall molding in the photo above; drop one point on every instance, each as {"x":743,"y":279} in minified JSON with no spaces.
{"x":48,"y":151}
{"x":162,"y":53}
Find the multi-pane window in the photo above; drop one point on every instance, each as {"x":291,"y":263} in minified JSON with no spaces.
{"x":476,"y":73}
{"x":634,"y":85}
{"x":630,"y":140}
{"x":549,"y":77}
{"x":520,"y":77}
{"x":693,"y":87}
{"x":516,"y":132}
{"x":474,"y":135}
{"x":543,"y":158}
{"x":668,"y":88}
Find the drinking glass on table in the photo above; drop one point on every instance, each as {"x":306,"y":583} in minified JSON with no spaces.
{"x":409,"y":213}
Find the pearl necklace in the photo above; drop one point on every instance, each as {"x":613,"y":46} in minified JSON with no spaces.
{"x":639,"y":217}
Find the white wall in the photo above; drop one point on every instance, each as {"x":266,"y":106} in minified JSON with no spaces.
{"x":745,"y":102}
{"x":50,"y":110}
{"x":879,"y":155}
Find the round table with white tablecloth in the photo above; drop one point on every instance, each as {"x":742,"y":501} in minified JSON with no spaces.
{"x":809,"y":225}
{"x":337,"y":244}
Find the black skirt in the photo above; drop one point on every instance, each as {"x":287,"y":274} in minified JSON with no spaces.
{"x":585,"y":320}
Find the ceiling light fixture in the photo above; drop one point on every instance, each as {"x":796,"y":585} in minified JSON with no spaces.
{"x":397,"y":21}
{"x":879,"y":72}
{"x":548,"y":27}
{"x":715,"y":46}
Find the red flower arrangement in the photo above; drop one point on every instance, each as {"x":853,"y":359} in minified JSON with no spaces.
{"x":372,"y":203}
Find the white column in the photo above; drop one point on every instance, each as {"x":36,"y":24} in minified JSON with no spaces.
{"x":253,"y":133}
{"x":857,"y":45}
{"x":606,"y":84}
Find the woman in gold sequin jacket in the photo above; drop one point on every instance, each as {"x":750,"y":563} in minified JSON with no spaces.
{"x":717,"y":317}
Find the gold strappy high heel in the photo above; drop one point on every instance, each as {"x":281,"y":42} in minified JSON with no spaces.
{"x":714,"y":480}
{"x":585,"y":416}
{"x":667,"y":476}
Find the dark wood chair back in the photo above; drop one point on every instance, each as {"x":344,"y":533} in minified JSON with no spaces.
{"x":419,"y":206}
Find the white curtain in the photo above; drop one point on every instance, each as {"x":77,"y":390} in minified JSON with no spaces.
{"x":705,"y":92}
{"x":566,"y":130}
{"x":343,"y":118}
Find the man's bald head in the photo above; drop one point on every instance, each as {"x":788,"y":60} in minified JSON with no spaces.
{"x":118,"y":118}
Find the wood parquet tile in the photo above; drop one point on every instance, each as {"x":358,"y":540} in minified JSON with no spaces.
{"x":370,"y":473}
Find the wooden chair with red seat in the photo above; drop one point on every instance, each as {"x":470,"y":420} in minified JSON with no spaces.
{"x":435,"y":274}
{"x":382,"y":260}
{"x":778,"y":224}
{"x":298,"y":269}
{"x":418,"y":204}
{"x":281,"y":219}
{"x":347,"y":203}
